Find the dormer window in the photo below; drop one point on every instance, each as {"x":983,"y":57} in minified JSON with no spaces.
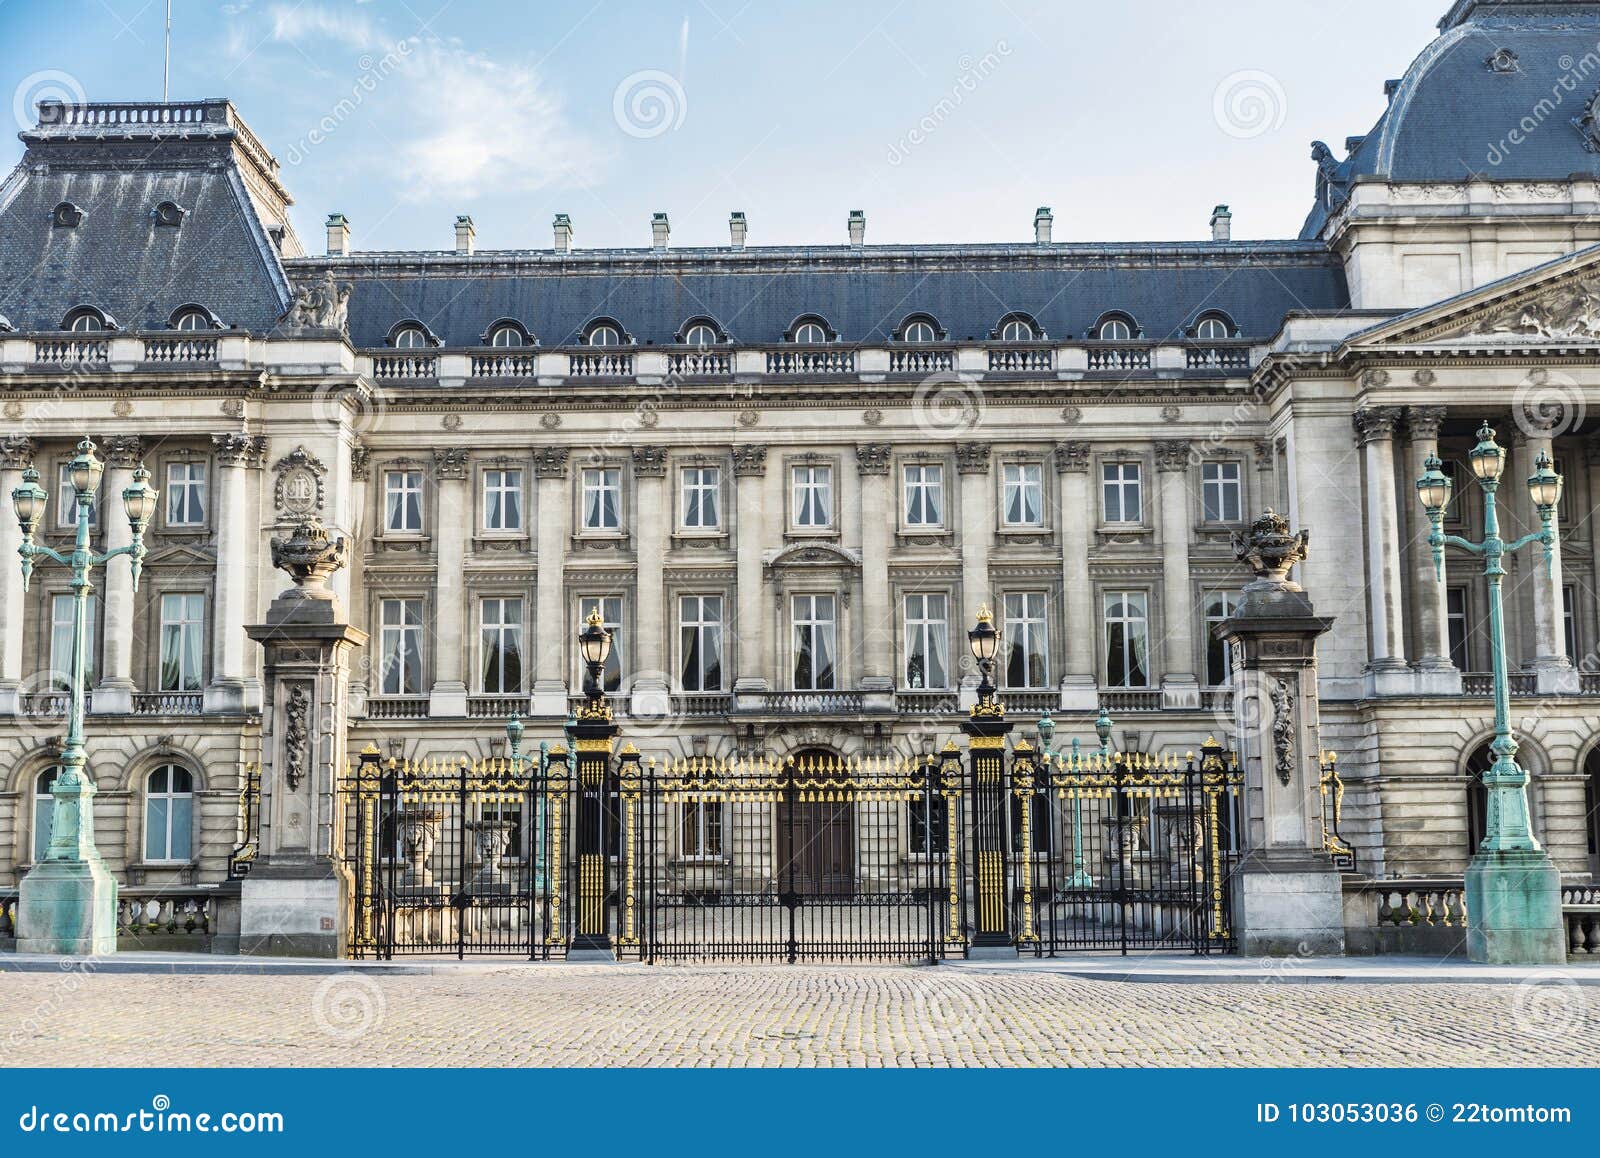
{"x":168,"y":213}
{"x":409,"y":338}
{"x":919,"y":329}
{"x":604,"y":334}
{"x":810,"y":330}
{"x":87,"y":320}
{"x":66,"y":215}
{"x":1213,"y":328}
{"x":1017,"y":328}
{"x":194,"y":318}
{"x":701,"y":335}
{"x":1115,"y":328}
{"x":507,"y":334}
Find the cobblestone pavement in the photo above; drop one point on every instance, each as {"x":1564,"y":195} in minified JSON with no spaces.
{"x":775,"y":1016}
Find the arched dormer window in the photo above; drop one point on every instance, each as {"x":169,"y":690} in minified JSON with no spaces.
{"x":66,"y":216}
{"x":605,"y":332}
{"x":87,"y":320}
{"x":1018,"y":328}
{"x":810,"y":330}
{"x":919,"y":328}
{"x":411,"y":336}
{"x":1116,"y":327}
{"x":168,"y":213}
{"x":1214,"y":326}
{"x":194,"y":318}
{"x":700,"y":333}
{"x":507,"y":333}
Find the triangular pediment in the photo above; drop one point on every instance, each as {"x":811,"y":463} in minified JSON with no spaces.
{"x":1555,"y":305}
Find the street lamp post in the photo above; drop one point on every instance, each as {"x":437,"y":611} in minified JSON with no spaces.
{"x":67,"y":902}
{"x":986,"y":728}
{"x":1513,"y":890}
{"x":594,"y":735}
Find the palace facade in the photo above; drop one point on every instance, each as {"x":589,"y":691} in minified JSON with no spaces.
{"x":788,"y":477}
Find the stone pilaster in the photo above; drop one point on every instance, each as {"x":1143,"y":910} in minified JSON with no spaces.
{"x":118,"y":614}
{"x":1551,"y":665}
{"x":1079,"y":627}
{"x":979,"y":505}
{"x":16,"y":455}
{"x":1179,"y":687}
{"x":878,"y":517}
{"x":750,"y":475}
{"x":551,"y":628}
{"x":450,"y":645}
{"x":651,"y":681}
{"x":233,"y":686}
{"x":1436,"y":673}
{"x":1387,"y":670}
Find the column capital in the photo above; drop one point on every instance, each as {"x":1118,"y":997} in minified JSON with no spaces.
{"x":1375,"y":423}
{"x":450,"y":462}
{"x":550,"y":461}
{"x":750,"y":459}
{"x":235,"y":449}
{"x":1424,"y":421}
{"x":1172,"y":455}
{"x":650,"y":461}
{"x":1072,"y":457}
{"x":17,"y":451}
{"x":872,"y":458}
{"x":122,"y":450}
{"x":360,"y":462}
{"x":972,"y":457}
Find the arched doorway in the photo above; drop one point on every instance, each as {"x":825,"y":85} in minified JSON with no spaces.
{"x":1481,"y":760}
{"x":816,"y":830}
{"x":1591,"y":808}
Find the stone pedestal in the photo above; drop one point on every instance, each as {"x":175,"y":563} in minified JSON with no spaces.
{"x":68,"y":907}
{"x":1516,"y":916}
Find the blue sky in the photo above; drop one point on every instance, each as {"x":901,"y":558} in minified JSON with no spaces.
{"x":944,"y":120}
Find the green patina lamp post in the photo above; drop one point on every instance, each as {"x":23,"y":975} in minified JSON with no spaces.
{"x":67,"y":902}
{"x":1513,"y":890}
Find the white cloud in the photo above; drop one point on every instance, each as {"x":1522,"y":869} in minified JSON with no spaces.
{"x":307,"y":22}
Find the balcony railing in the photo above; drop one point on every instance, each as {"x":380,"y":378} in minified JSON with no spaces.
{"x":405,"y":367}
{"x":926,"y":703}
{"x":48,"y":705}
{"x":700,"y":363}
{"x":1119,"y":357}
{"x":523,"y":364}
{"x":1581,"y":906}
{"x":921,"y":361}
{"x":1589,"y":683}
{"x":1030,"y":701}
{"x":812,"y":703}
{"x":1217,"y":357}
{"x":1482,"y":683}
{"x":496,"y":707}
{"x":702,"y":704}
{"x":168,"y":703}
{"x":811,"y":360}
{"x":1123,"y":700}
{"x":599,"y":365}
{"x":1216,"y":699}
{"x":398,"y":708}
{"x":71,"y":351}
{"x":1022,"y":360}
{"x":167,"y":350}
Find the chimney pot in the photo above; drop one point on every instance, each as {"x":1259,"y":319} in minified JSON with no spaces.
{"x":737,"y":228}
{"x":660,"y":230}
{"x":1043,"y":219}
{"x":858,"y":228}
{"x":563,"y":229}
{"x":338,"y":235}
{"x":1221,"y":224}
{"x":465,"y":234}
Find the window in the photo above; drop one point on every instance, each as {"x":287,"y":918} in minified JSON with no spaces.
{"x":1569,"y":621}
{"x":701,"y":487}
{"x":402,"y":501}
{"x":1222,"y":492}
{"x":810,"y":334}
{"x":924,"y":487}
{"x":67,"y":500}
{"x":502,"y":500}
{"x":1023,"y":498}
{"x":602,"y":499}
{"x":927,"y":641}
{"x":1121,"y":488}
{"x":191,"y":320}
{"x":410,"y":338}
{"x":813,"y":496}
{"x":1017,"y":330}
{"x":400,"y":643}
{"x":702,"y":829}
{"x":610,"y":608}
{"x":1457,"y":622}
{"x":1212,"y":329}
{"x":700,"y":635}
{"x":814,"y":642}
{"x":604,"y":334}
{"x":44,"y":810}
{"x":1219,"y":605}
{"x":86,"y":322}
{"x":506,"y":334}
{"x":701,"y":335}
{"x":928,"y":832}
{"x":183,"y":627}
{"x":168,"y":814}
{"x":186,"y":494}
{"x":1115,"y":330}
{"x":919,"y":331}
{"x":501,"y":636}
{"x":61,"y":642}
{"x":1127,"y":623}
{"x":1026,"y":638}
{"x":1038,"y":821}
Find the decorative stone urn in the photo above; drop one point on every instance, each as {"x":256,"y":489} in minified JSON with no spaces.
{"x":489,"y":840}
{"x":1270,"y":549}
{"x":419,"y":832}
{"x":309,"y":555}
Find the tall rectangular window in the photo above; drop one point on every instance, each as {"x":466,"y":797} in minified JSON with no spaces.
{"x":183,"y":626}
{"x":400,"y":642}
{"x":813,"y":496}
{"x":924,"y":489}
{"x":502,"y":500}
{"x":402,"y":501}
{"x":500,"y":625}
{"x":1121,"y":487}
{"x":602,"y":499}
{"x":927,"y":641}
{"x":1457,"y":624}
{"x":1023,"y":500}
{"x":701,"y":488}
{"x":815,"y":642}
{"x":186,"y":494}
{"x":701,"y":832}
{"x":1569,"y":621}
{"x":1219,"y":605}
{"x":610,"y":608}
{"x":61,"y":642}
{"x":1222,"y":492}
{"x":1025,"y":636}
{"x":700,"y":637}
{"x":1127,"y":624}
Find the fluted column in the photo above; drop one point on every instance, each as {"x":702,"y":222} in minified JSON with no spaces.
{"x":551,"y":627}
{"x":877,"y":616}
{"x":1079,"y":682}
{"x":1437,"y":674}
{"x":750,"y":472}
{"x":1552,"y":666}
{"x":1387,"y":671}
{"x":118,"y":614}
{"x":233,"y":686}
{"x":16,"y":455}
{"x":450,"y":642}
{"x":1179,"y":686}
{"x":651,"y":682}
{"x":979,"y":504}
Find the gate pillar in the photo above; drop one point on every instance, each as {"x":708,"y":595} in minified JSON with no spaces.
{"x":985,"y":728}
{"x":293,"y":902}
{"x":1287,"y":897}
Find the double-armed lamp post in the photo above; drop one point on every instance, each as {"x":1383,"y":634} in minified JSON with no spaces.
{"x":1513,"y":890}
{"x":67,"y":902}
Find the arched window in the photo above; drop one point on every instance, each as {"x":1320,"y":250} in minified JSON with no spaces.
{"x":1591,"y":807}
{"x":1115,"y":328}
{"x":410,"y":338}
{"x":1212,"y":330}
{"x":919,"y":329}
{"x":190,"y":319}
{"x":700,"y":334}
{"x":810,"y":330}
{"x":604,"y":334}
{"x":1017,"y":330}
{"x":168,"y":814}
{"x":44,"y":806}
{"x":506,"y":334}
{"x":84,"y":321}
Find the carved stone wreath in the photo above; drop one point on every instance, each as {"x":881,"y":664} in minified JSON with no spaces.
{"x":296,"y":737}
{"x":1283,"y":731}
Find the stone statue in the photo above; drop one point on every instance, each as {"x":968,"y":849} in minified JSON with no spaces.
{"x":323,"y":305}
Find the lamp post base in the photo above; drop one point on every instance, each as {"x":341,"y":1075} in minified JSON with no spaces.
{"x":1514,"y":909}
{"x":67,"y":907}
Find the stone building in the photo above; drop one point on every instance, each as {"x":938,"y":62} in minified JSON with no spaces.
{"x":787,"y":477}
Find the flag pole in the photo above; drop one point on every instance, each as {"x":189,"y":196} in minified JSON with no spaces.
{"x":166,"y":55}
